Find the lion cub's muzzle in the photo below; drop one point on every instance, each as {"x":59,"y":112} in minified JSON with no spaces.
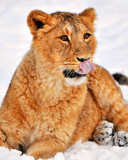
{"x":85,"y":67}
{"x":72,"y":74}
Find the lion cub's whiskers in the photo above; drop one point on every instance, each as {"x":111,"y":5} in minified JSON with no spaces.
{"x":47,"y":64}
{"x":62,"y":66}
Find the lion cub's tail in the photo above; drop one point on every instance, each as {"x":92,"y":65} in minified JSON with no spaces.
{"x":121,"y":79}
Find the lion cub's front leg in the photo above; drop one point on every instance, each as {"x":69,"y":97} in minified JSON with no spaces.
{"x":103,"y":133}
{"x":120,"y":139}
{"x":46,"y":148}
{"x":3,"y":139}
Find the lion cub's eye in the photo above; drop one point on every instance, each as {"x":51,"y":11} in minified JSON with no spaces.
{"x":64,"y":38}
{"x":87,"y":35}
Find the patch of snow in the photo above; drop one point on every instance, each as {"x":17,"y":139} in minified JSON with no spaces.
{"x":79,"y":151}
{"x":124,"y":89}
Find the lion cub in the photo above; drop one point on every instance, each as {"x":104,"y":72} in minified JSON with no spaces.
{"x":57,"y":96}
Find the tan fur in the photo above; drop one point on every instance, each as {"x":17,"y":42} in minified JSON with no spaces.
{"x":42,"y":113}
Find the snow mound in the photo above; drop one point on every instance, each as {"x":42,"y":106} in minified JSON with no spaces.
{"x":79,"y":151}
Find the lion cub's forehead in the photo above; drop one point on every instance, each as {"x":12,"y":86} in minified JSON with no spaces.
{"x":69,"y":30}
{"x":70,"y":22}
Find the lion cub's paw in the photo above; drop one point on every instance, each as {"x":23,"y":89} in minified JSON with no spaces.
{"x":103,"y":133}
{"x":120,"y":139}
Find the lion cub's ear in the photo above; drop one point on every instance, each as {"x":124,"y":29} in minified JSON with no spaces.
{"x":89,"y":13}
{"x":40,"y":20}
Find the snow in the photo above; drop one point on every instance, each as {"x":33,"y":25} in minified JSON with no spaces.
{"x":112,"y":54}
{"x":79,"y":151}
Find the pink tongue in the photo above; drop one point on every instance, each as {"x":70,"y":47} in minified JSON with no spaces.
{"x":86,"y":66}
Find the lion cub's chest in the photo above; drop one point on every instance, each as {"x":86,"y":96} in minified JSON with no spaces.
{"x":60,"y":119}
{"x":56,"y":109}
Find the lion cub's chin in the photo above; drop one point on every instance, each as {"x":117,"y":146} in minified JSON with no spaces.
{"x":76,"y":81}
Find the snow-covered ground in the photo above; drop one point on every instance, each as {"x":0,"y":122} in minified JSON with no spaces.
{"x":112,"y":54}
{"x":80,"y":151}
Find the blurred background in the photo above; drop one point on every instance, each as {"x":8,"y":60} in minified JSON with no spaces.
{"x":111,"y":32}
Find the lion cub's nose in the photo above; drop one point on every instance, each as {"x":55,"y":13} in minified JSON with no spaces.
{"x":82,"y":59}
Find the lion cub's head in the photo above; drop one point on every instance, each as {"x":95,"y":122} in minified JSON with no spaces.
{"x":64,"y":41}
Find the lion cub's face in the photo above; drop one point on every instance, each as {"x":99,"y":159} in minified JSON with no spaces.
{"x":63,"y":40}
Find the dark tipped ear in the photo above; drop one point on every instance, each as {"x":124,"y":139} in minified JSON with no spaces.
{"x":39,"y":20}
{"x":90,"y":13}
